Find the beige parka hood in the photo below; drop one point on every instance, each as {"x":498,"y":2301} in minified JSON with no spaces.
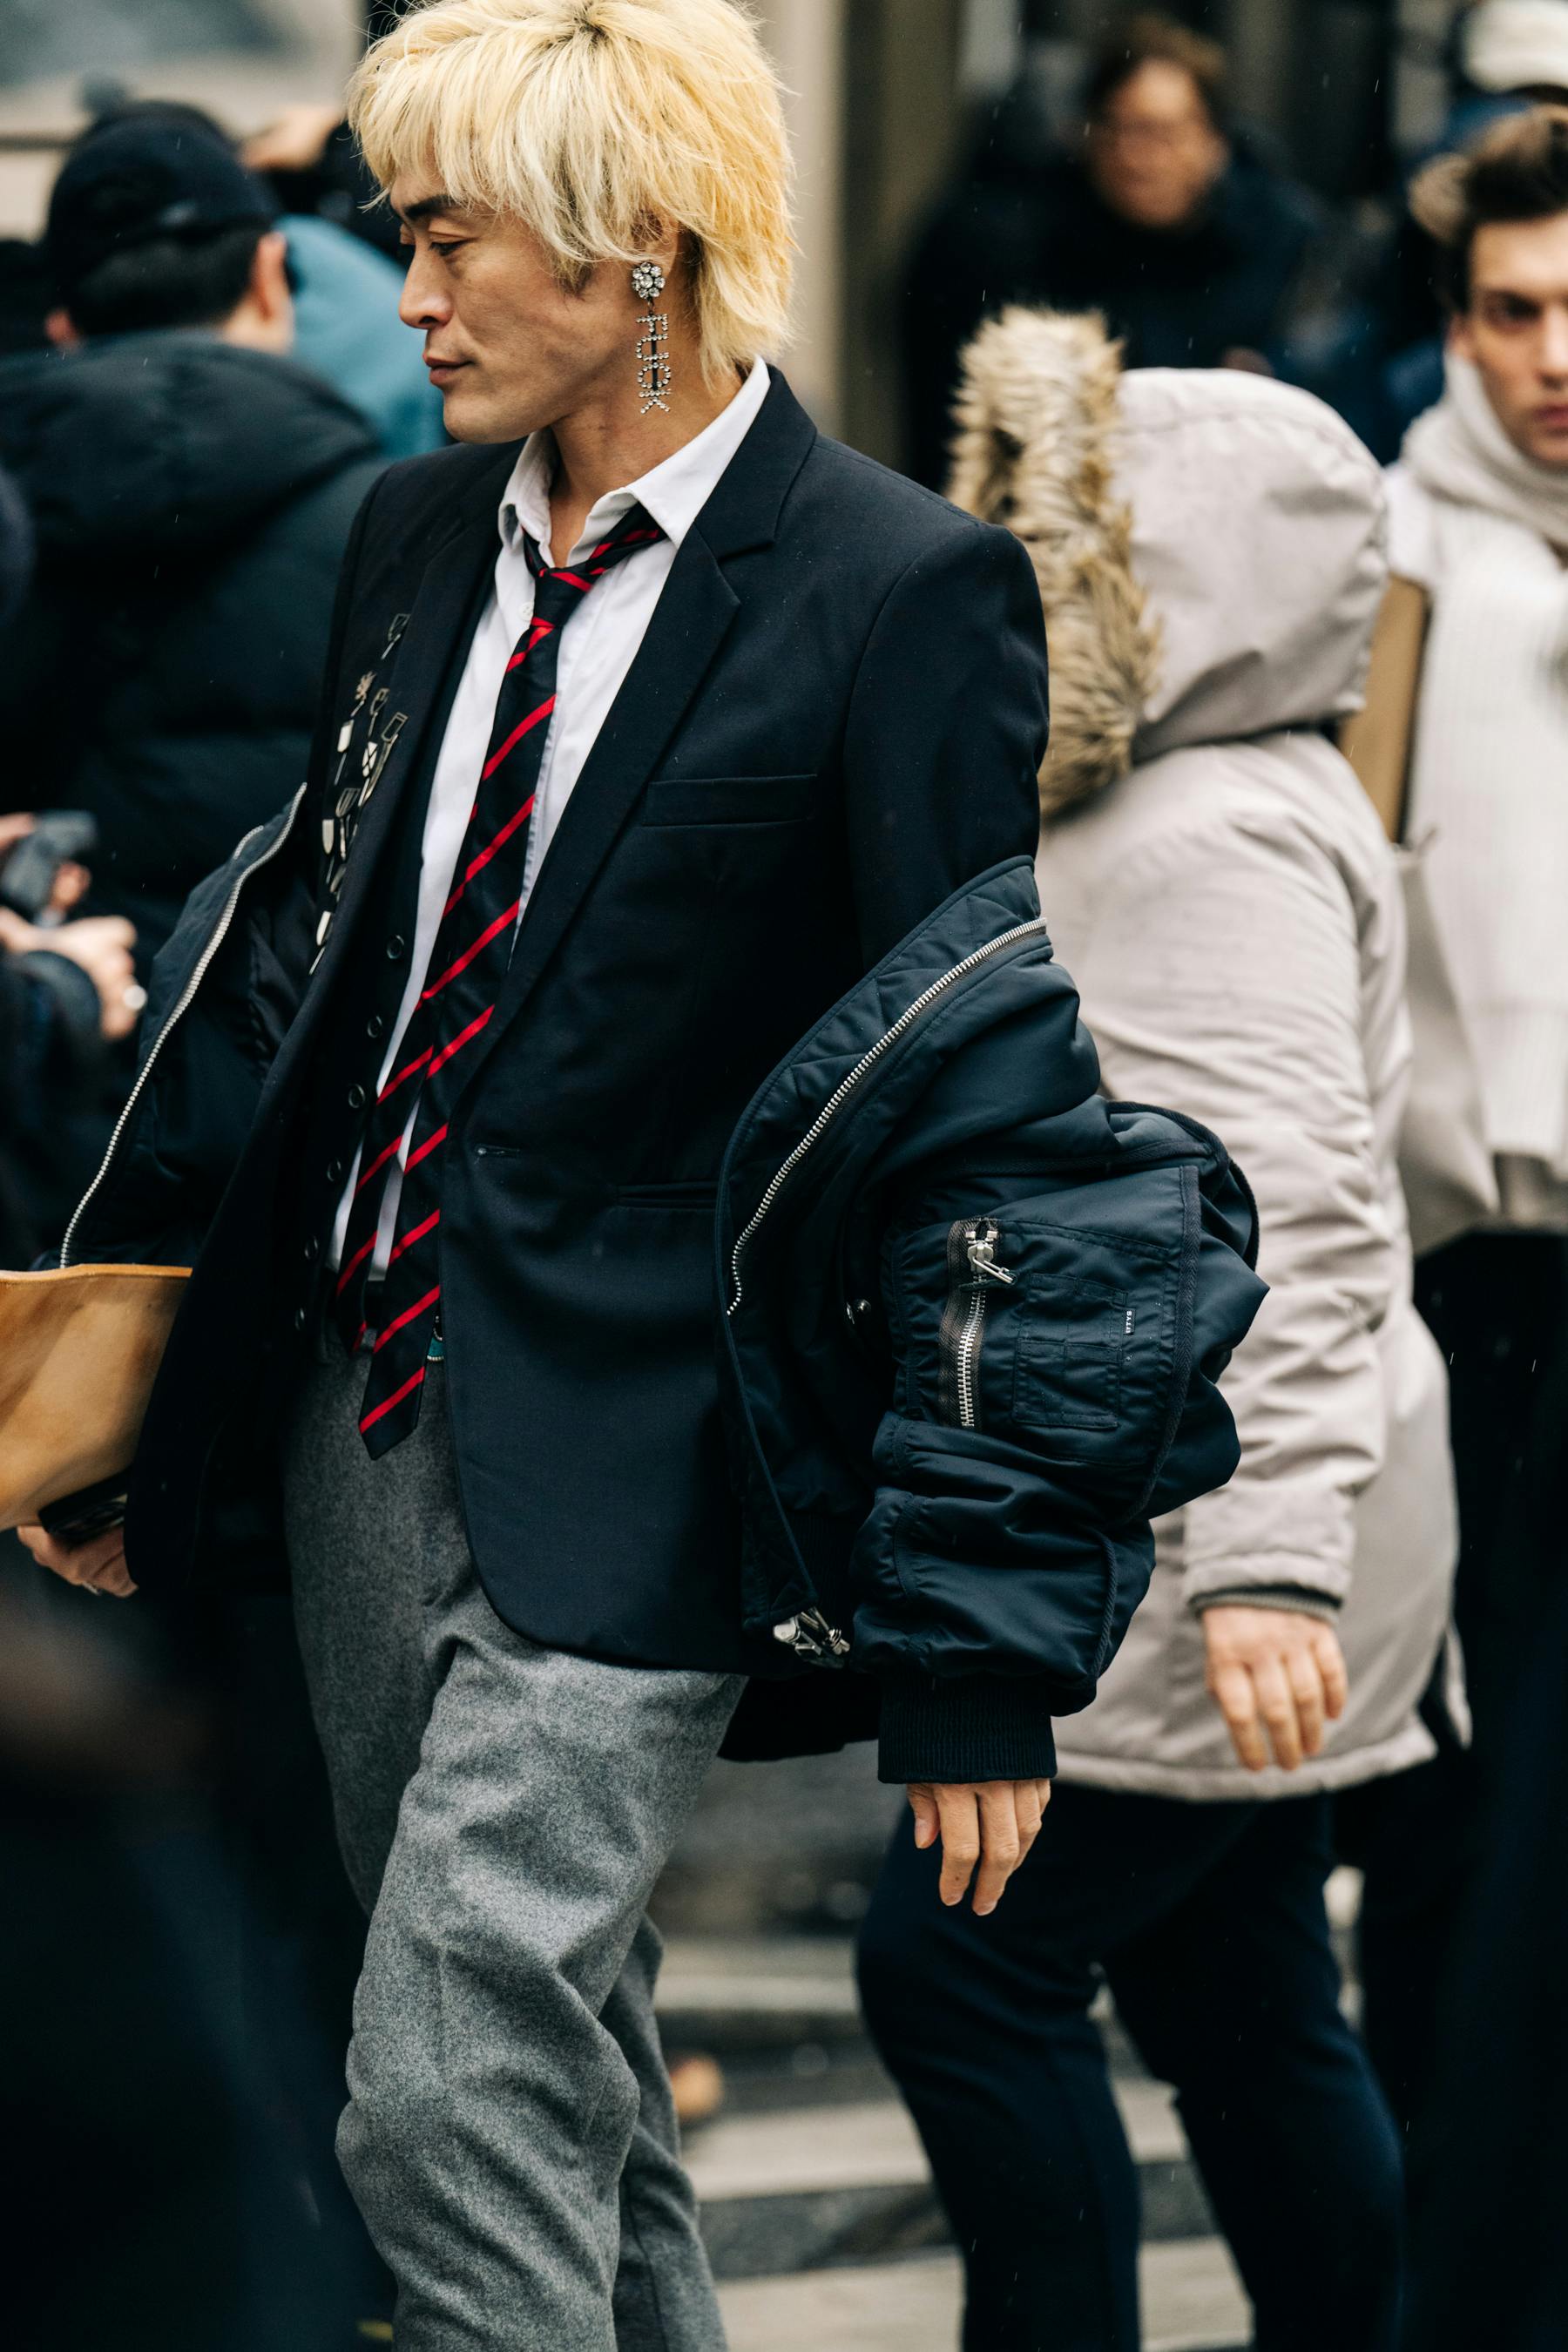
{"x":1209,"y":544}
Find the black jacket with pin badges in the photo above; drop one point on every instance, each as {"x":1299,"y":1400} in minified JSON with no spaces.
{"x":833,"y":724}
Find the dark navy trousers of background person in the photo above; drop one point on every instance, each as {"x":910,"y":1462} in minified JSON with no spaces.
{"x":1209,"y":1924}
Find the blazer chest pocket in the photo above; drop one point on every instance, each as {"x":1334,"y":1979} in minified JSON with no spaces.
{"x":728,"y":800}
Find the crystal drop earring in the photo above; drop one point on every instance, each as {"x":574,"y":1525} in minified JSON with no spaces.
{"x":654,"y":375}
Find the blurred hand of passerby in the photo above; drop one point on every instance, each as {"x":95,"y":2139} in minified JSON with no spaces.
{"x":294,"y":142}
{"x":1274,"y":1671}
{"x":70,"y":879}
{"x":99,"y":1566}
{"x":101,"y":945}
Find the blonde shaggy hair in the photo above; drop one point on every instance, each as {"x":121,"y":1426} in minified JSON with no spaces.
{"x":591,"y":120}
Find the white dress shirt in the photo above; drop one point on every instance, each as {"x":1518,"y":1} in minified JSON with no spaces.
{"x":598,"y":644}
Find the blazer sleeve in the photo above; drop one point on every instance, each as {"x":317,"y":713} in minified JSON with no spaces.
{"x":1223,"y":976}
{"x":946,"y":730}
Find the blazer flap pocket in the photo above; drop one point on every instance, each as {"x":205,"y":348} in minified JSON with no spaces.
{"x":728,"y":800}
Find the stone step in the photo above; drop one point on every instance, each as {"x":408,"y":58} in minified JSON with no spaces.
{"x":820,"y":2188}
{"x":1193,"y":2301}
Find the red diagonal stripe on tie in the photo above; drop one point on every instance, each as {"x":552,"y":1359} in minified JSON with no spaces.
{"x":477,"y":865}
{"x":541,"y":629}
{"x":426,"y":1147}
{"x":479,"y":945}
{"x":396,"y":1397}
{"x":458,"y":1042}
{"x":408,"y":1315}
{"x":573,"y":580}
{"x":515,"y":738}
{"x":378,"y":1163}
{"x":354,"y":1263}
{"x":406,"y":1072}
{"x":418,"y":1234}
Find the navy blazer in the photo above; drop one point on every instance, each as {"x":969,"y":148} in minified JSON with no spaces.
{"x":835,"y":719}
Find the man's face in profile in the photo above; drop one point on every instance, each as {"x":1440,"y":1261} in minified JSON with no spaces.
{"x":1153,"y":150}
{"x":1516,"y":331}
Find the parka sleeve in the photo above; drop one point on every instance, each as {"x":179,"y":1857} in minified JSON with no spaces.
{"x":1223,"y":976}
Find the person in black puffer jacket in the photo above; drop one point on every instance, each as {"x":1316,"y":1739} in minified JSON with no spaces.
{"x":191,"y":490}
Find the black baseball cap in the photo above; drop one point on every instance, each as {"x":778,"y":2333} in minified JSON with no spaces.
{"x":143,"y":176}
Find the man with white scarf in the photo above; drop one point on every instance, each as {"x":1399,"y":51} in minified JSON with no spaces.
{"x":1478,"y":518}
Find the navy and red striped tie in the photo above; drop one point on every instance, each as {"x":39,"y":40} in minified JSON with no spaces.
{"x":463,"y":980}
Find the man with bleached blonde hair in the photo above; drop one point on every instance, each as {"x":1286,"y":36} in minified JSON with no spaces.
{"x":653,"y":720}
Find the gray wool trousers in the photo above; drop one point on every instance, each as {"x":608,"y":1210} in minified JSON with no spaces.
{"x":503,"y":1811}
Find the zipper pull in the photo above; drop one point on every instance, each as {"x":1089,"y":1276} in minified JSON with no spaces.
{"x":982,"y":1255}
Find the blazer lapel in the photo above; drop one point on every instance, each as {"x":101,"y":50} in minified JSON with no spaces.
{"x":689,"y":626}
{"x":426,"y":666}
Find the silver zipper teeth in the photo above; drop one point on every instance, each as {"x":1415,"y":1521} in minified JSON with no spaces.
{"x":847,"y":1086}
{"x":181,"y":1008}
{"x":968,"y":1352}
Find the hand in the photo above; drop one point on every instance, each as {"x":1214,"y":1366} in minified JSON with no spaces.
{"x":99,"y":1565}
{"x":1278,"y":1670}
{"x":70,"y":879}
{"x":295,"y":142}
{"x":991,"y":1822}
{"x":101,"y":945}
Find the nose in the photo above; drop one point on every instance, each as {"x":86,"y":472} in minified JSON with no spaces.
{"x":423,"y":304}
{"x":1554,"y":342}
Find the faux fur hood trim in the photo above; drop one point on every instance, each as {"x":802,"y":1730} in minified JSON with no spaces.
{"x":1037,"y":417}
{"x":1209,"y":544}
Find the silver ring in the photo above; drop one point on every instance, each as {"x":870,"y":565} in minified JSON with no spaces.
{"x":134,"y":998}
{"x":93,"y":1589}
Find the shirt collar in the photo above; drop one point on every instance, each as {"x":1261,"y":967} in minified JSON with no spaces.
{"x":674,"y":492}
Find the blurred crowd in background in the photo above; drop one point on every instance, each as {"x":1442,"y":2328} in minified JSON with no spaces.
{"x":201,"y":371}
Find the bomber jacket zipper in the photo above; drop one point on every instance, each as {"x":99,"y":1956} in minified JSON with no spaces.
{"x":972,"y":1272}
{"x":216,"y":938}
{"x":847,"y":1085}
{"x":808,"y":1634}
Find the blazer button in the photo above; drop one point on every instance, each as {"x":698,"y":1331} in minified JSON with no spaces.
{"x":375,"y":1026}
{"x":300,"y":1318}
{"x":396,"y":946}
{"x":356,"y":1097}
{"x":334,"y":1172}
{"x":313,"y":1252}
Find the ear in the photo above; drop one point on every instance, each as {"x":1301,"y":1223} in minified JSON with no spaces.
{"x":1461,"y":336}
{"x":269,"y":289}
{"x":62,"y":331}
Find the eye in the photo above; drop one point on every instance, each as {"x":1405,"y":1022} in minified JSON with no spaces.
{"x":448,"y":245}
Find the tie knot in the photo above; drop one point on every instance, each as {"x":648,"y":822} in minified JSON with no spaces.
{"x":559,"y":588}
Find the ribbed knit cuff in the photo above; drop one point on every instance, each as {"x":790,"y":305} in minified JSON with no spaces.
{"x":976,"y":1728}
{"x":1296,"y":1599}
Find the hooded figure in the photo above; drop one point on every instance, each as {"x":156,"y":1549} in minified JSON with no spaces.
{"x":1209,"y":549}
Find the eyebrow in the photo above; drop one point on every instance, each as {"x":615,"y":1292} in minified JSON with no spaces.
{"x":426,"y":208}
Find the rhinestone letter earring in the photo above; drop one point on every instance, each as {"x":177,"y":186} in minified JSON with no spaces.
{"x":654,"y":377}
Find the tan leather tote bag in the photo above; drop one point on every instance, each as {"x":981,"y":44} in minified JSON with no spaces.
{"x":80,"y":1350}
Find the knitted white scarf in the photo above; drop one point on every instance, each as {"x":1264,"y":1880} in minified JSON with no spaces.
{"x":1459,"y":451}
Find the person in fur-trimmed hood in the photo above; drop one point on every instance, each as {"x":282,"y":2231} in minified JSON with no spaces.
{"x":1209,"y":548}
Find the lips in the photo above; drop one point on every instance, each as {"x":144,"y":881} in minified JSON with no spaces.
{"x":441,"y":370}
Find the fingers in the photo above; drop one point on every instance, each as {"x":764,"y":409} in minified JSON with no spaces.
{"x":959,"y":1811}
{"x":1001,"y":1847}
{"x":923,"y":1804}
{"x":1231,"y":1688}
{"x":99,"y":1566}
{"x":1278,"y":1708}
{"x":70,"y":887}
{"x":1304,"y":1676}
{"x":1331,"y":1661}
